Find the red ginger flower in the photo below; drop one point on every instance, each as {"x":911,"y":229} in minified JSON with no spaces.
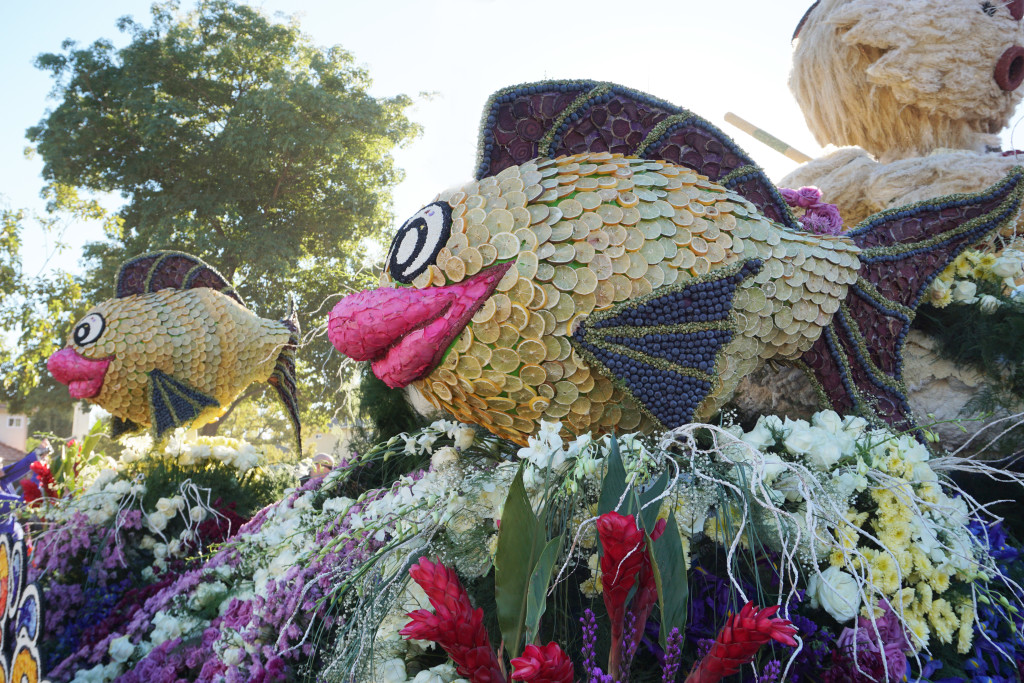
{"x":740,"y":639}
{"x":455,"y":625}
{"x":543,"y":665}
{"x":647,"y":589}
{"x":624,"y":554}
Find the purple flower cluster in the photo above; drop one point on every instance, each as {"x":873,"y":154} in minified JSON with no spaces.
{"x":871,"y":651}
{"x":819,"y":218}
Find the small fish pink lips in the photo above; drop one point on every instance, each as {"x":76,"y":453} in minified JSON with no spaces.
{"x":83,"y":376}
{"x":406,"y":331}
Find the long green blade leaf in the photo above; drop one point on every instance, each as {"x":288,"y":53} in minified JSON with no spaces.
{"x":614,"y":483}
{"x":537,"y":601}
{"x":670,"y":574}
{"x":520,"y":544}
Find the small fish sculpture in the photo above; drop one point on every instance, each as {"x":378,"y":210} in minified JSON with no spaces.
{"x":619,"y":263}
{"x":175,"y":347}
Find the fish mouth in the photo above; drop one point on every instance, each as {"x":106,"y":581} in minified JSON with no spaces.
{"x":406,"y":332}
{"x":83,"y":376}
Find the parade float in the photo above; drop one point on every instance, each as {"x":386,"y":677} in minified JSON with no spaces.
{"x":585,"y":308}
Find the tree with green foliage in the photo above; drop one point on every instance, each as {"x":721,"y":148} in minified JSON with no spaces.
{"x":232,"y":137}
{"x":37,"y":310}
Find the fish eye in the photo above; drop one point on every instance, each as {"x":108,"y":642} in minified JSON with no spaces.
{"x":418,"y":241}
{"x":89,"y":330}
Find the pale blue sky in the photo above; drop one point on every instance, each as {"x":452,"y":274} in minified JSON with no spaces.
{"x":710,"y":57}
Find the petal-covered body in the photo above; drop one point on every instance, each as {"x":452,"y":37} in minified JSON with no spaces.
{"x":585,"y":233}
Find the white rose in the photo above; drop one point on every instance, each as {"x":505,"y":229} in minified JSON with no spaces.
{"x":854,"y":425}
{"x":197,"y":514}
{"x":825,"y":451}
{"x":760,"y":437}
{"x":989,"y":304}
{"x":121,"y":649}
{"x":828,"y":420}
{"x":443,"y":457}
{"x":166,"y":507}
{"x":836,"y":592}
{"x":801,"y":438}
{"x":965,"y":291}
{"x":233,"y":655}
{"x":1009,"y":264}
{"x":157,"y":521}
{"x":391,"y":671}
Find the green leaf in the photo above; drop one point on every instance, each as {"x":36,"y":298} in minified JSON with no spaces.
{"x":669,"y":566}
{"x":614,"y":483}
{"x":537,"y":602}
{"x":649,"y":516}
{"x":520,"y":545}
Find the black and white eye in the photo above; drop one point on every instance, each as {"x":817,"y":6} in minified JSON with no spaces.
{"x":89,"y":329}
{"x":988,"y":8}
{"x":418,"y":241}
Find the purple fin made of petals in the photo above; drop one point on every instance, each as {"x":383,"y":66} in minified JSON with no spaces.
{"x":169,"y":270}
{"x":554,"y":118}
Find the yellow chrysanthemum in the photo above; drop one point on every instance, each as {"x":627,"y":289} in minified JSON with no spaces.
{"x":925,"y":597}
{"x":939,"y":580}
{"x":885,"y":574}
{"x":919,"y":630}
{"x":895,"y":536}
{"x":943,"y":620}
{"x":903,"y":599}
{"x":966,"y":634}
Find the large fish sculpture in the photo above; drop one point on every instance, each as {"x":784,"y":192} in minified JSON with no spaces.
{"x":175,"y":347}
{"x":619,"y":263}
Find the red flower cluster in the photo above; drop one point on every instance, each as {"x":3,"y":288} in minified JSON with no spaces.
{"x":740,"y":639}
{"x":454,"y":625}
{"x":548,"y":664}
{"x":31,"y":491}
{"x":625,"y":560}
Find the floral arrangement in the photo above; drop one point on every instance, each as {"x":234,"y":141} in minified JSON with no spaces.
{"x":585,"y":559}
{"x":106,"y":535}
{"x":1002,"y":271}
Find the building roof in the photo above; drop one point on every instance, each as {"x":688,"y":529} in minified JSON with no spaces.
{"x":10,"y":453}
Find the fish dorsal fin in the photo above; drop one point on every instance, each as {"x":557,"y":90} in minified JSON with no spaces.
{"x":552,"y":118}
{"x":170,"y":270}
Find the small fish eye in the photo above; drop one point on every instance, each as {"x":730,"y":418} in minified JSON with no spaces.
{"x":418,"y":241}
{"x":89,"y":329}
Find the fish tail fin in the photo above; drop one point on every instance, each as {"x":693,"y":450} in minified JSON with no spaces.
{"x":857,"y":363}
{"x":283,"y":377}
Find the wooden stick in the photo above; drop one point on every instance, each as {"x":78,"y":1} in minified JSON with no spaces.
{"x":767,"y":138}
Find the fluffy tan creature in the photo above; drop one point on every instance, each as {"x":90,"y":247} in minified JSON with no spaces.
{"x":920,"y":87}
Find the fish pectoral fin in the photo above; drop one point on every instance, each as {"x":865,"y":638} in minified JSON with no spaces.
{"x":119,"y":427}
{"x":662,"y":349}
{"x":173,"y":403}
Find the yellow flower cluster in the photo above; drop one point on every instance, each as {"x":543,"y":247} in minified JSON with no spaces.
{"x":888,"y":548}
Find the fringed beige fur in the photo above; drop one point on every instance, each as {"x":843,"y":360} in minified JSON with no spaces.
{"x":901,"y":79}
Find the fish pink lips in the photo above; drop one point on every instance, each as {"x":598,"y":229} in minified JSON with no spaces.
{"x":406,"y":331}
{"x":83,"y":376}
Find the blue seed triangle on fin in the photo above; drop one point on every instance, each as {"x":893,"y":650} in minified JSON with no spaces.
{"x":173,"y":403}
{"x":662,"y":348}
